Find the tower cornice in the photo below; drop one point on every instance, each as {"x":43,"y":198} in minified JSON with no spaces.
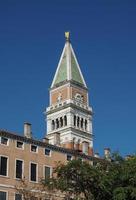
{"x":67,"y":105}
{"x":72,"y":82}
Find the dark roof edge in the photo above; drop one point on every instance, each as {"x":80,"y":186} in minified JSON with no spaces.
{"x":15,"y":136}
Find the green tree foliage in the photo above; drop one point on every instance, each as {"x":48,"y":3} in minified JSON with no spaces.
{"x":125,"y":182}
{"x":114,"y":180}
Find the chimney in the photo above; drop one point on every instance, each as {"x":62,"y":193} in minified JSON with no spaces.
{"x":56,"y":139}
{"x":27,"y":130}
{"x":85,"y":147}
{"x":74,"y":145}
{"x":46,"y":140}
{"x":96,"y":155}
{"x":107,"y":153}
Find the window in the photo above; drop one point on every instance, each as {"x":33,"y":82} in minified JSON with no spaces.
{"x":34,"y":148}
{"x":47,"y":152}
{"x":57,"y":123}
{"x":33,"y":172}
{"x":74,"y":120}
{"x":19,"y":145}
{"x":85,"y":124}
{"x":61,"y":122}
{"x":53,"y":125}
{"x":79,"y":98}
{"x":19,"y":168}
{"x":69,"y":157}
{"x":82,"y":122}
{"x":47,"y":172}
{"x":78,"y":119}
{"x":18,"y":196}
{"x":3,"y":165}
{"x":3,"y":195}
{"x":65,"y":120}
{"x":4,"y":140}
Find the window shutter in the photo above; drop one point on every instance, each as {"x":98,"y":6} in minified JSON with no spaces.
{"x":2,"y":195}
{"x":47,"y":172}
{"x":3,"y":166}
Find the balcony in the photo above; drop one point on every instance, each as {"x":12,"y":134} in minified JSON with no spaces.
{"x":66,"y":102}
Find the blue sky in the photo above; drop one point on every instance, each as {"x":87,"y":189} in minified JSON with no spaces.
{"x":103,"y":35}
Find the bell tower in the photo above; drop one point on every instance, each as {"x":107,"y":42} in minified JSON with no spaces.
{"x":69,"y":116}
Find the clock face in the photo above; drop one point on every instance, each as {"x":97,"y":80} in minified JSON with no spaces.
{"x":79,"y":97}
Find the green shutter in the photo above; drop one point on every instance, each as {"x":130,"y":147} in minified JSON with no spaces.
{"x":2,"y":195}
{"x":47,"y":172}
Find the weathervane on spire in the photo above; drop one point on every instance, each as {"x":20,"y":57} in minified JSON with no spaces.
{"x":67,"y":36}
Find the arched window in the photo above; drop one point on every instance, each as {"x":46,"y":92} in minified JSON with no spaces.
{"x":61,"y":122}
{"x":53,"y":125}
{"x":85,"y":124}
{"x":74,"y":120}
{"x":82,"y":123}
{"x":65,"y":120}
{"x":57,"y":123}
{"x":78,"y":119}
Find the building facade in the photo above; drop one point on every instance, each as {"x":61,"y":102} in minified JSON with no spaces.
{"x":69,"y":132}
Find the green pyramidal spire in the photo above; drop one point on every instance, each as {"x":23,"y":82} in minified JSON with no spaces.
{"x":68,"y":67}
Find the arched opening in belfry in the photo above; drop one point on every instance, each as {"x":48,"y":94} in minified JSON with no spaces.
{"x":74,"y":120}
{"x":52,"y":125}
{"x":85,"y":124}
{"x":82,"y":122}
{"x":57,"y":123}
{"x":61,"y":122}
{"x":78,"y":120}
{"x":65,"y":120}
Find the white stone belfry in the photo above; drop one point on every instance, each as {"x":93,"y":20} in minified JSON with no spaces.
{"x":69,"y":113}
